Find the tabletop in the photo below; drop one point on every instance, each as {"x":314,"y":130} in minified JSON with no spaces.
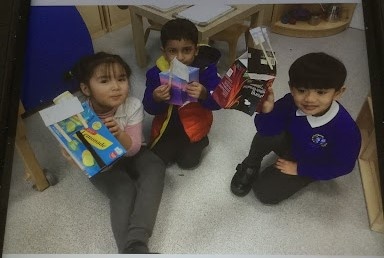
{"x":238,"y":14}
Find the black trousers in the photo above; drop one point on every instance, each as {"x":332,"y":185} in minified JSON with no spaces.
{"x":271,"y":186}
{"x":175,"y":146}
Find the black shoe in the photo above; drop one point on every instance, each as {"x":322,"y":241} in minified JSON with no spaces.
{"x":136,"y":247}
{"x":241,"y":182}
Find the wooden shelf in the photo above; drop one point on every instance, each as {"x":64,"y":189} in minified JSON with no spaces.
{"x":115,"y":17}
{"x":93,"y":18}
{"x":303,"y":28}
{"x":369,"y":169}
{"x":103,"y":19}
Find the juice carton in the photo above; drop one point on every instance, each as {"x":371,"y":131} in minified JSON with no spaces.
{"x":83,"y":135}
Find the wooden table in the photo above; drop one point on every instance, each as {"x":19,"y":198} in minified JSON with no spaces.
{"x":33,"y":170}
{"x":241,"y":12}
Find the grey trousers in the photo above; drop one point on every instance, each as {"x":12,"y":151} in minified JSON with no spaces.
{"x":271,"y":186}
{"x":134,"y":186}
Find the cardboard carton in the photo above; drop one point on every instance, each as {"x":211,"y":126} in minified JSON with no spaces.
{"x":83,"y":135}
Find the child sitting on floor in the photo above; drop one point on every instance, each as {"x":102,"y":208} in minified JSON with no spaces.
{"x":313,"y":135}
{"x":180,"y":133}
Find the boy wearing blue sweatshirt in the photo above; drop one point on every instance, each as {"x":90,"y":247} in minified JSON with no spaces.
{"x":179,"y":134}
{"x":313,"y":135}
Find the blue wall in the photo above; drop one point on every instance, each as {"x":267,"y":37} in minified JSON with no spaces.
{"x":57,"y":37}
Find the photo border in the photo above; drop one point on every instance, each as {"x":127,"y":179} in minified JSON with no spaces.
{"x":13,"y":28}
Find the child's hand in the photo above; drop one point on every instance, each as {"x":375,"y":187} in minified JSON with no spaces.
{"x":119,"y":133}
{"x":286,"y":166}
{"x":112,"y":125}
{"x":269,"y":102}
{"x":196,"y":90}
{"x":162,"y":93}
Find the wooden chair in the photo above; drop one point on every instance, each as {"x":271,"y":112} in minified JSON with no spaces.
{"x":230,"y":35}
{"x":152,"y":26}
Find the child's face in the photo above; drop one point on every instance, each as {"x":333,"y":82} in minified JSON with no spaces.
{"x":184,"y":50}
{"x":108,"y":87}
{"x":315,"y":102}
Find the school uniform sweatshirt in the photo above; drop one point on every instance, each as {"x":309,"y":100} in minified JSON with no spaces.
{"x":324,"y":147}
{"x":196,"y":117}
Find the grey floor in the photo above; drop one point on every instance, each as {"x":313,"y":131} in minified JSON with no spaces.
{"x":198,"y":213}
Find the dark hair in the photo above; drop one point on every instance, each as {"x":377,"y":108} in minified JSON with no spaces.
{"x":317,"y":71}
{"x":85,"y":67}
{"x":178,"y":29}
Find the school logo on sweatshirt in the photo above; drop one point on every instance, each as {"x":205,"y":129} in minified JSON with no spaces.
{"x":319,"y":139}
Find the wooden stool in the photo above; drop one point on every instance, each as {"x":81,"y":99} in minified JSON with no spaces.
{"x":230,"y":35}
{"x":33,"y":170}
{"x":152,"y":26}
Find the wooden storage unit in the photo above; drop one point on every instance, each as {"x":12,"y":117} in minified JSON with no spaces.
{"x":93,"y":17}
{"x":267,"y":15}
{"x":116,"y":17}
{"x":303,"y":28}
{"x":369,"y":169}
{"x":102,"y":19}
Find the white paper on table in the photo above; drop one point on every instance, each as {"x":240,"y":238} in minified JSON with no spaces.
{"x":179,"y":69}
{"x":166,"y":6}
{"x":61,"y":111}
{"x":203,"y":14}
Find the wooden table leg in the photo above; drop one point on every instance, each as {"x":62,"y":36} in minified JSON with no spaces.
{"x":203,"y":40}
{"x":138,"y":37}
{"x":30,"y":162}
